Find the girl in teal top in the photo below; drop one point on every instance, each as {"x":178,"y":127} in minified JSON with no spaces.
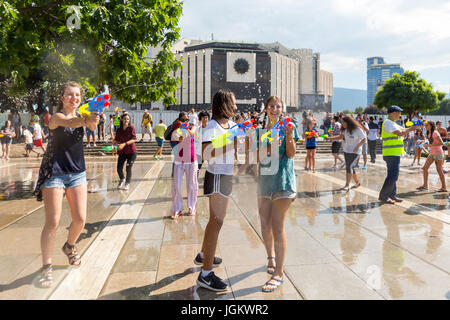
{"x":277,"y":188}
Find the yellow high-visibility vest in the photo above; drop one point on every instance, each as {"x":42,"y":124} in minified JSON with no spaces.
{"x":392,"y":144}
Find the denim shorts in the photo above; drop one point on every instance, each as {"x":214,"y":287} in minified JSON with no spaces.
{"x":285,"y":194}
{"x":159,"y":141}
{"x":66,"y":181}
{"x":90,"y":132}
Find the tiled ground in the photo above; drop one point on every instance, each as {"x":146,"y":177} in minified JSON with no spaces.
{"x":340,"y":245}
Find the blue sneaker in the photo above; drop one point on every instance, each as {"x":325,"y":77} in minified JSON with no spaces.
{"x":356,"y":166}
{"x":364,"y":167}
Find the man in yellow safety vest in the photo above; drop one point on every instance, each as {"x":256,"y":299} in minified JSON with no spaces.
{"x":393,"y":148}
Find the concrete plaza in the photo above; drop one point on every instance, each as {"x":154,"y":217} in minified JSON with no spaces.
{"x":340,"y":245}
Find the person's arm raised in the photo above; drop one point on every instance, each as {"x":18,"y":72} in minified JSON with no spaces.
{"x":61,"y":120}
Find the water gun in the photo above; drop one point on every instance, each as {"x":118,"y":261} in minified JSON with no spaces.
{"x":1,"y":135}
{"x":310,"y":133}
{"x":330,"y":131}
{"x":236,"y":130}
{"x":183,"y":126}
{"x":324,"y":136}
{"x":416,"y":122}
{"x":110,"y":148}
{"x":277,"y":129}
{"x":96,"y":104}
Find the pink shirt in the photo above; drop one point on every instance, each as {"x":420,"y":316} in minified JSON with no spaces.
{"x":434,"y":150}
{"x":186,"y":145}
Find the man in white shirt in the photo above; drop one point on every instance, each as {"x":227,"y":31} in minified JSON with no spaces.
{"x":193,"y":118}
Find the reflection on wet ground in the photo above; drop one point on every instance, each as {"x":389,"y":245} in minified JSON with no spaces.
{"x":340,"y":245}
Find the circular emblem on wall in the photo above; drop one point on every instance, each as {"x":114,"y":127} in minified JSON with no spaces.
{"x":241,"y":65}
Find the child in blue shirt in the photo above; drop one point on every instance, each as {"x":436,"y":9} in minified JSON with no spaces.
{"x":311,"y":145}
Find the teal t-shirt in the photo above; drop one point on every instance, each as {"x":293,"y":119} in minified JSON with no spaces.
{"x":284,"y":178}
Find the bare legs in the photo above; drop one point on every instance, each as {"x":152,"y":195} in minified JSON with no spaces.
{"x":218,"y":206}
{"x":77,"y":197}
{"x":272,"y":216}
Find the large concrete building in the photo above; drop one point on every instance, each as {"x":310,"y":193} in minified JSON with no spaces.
{"x":253,"y":72}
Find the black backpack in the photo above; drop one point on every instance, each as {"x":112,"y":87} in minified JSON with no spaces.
{"x":168,"y":132}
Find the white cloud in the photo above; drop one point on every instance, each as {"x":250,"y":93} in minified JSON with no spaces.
{"x":341,"y":63}
{"x":414,"y":33}
{"x":400,"y":17}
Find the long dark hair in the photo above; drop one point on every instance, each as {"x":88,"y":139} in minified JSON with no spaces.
{"x":121,"y":120}
{"x":351,"y":124}
{"x":222,"y":105}
{"x":430,"y":133}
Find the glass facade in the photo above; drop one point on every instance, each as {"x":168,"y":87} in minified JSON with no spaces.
{"x":377,"y":73}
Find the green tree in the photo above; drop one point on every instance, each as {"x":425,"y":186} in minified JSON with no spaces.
{"x":444,"y":108}
{"x":346,"y":111}
{"x":45,"y":43}
{"x":409,"y":92}
{"x":374,"y":110}
{"x":359,"y":110}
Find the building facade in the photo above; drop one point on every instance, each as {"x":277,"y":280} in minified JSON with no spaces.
{"x":253,"y":72}
{"x":377,"y":73}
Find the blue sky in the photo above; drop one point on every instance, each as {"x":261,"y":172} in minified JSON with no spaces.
{"x":413,"y":33}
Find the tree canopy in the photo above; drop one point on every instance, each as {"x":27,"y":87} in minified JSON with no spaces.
{"x":96,"y":43}
{"x":409,"y":92}
{"x":359,"y":110}
{"x":444,"y":108}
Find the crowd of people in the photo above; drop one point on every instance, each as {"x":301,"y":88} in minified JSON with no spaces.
{"x":191,"y":136}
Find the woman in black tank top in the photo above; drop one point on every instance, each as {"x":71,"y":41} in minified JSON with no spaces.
{"x":63,"y":170}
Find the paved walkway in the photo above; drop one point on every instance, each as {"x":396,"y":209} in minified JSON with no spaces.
{"x":340,"y":245}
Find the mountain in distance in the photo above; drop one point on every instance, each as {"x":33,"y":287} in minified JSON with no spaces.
{"x":348,"y":99}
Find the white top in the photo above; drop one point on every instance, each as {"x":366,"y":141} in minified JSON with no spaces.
{"x":37,"y":131}
{"x":198,"y":140}
{"x":193,"y":119}
{"x":390,"y":126}
{"x":224,"y":164}
{"x":352,"y":140}
{"x":372,"y":135}
{"x":28,"y":136}
{"x":411,"y":134}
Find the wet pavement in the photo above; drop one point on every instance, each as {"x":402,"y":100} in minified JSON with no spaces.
{"x":340,"y":245}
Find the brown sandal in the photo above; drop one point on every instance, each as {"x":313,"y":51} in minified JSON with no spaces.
{"x":72,"y":254}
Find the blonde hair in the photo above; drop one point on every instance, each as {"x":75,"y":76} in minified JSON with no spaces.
{"x":269,"y":100}
{"x":62,"y":90}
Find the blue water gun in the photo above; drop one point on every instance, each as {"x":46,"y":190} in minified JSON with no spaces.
{"x":236,"y":130}
{"x":277,"y":129}
{"x":97,"y":104}
{"x":416,"y":122}
{"x":183,"y":127}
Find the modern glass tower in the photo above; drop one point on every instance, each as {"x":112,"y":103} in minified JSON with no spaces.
{"x":377,"y":73}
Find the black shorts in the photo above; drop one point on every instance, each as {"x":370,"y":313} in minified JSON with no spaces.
{"x":350,"y":162}
{"x":336,"y":146}
{"x":218,"y":183}
{"x":311,"y":148}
